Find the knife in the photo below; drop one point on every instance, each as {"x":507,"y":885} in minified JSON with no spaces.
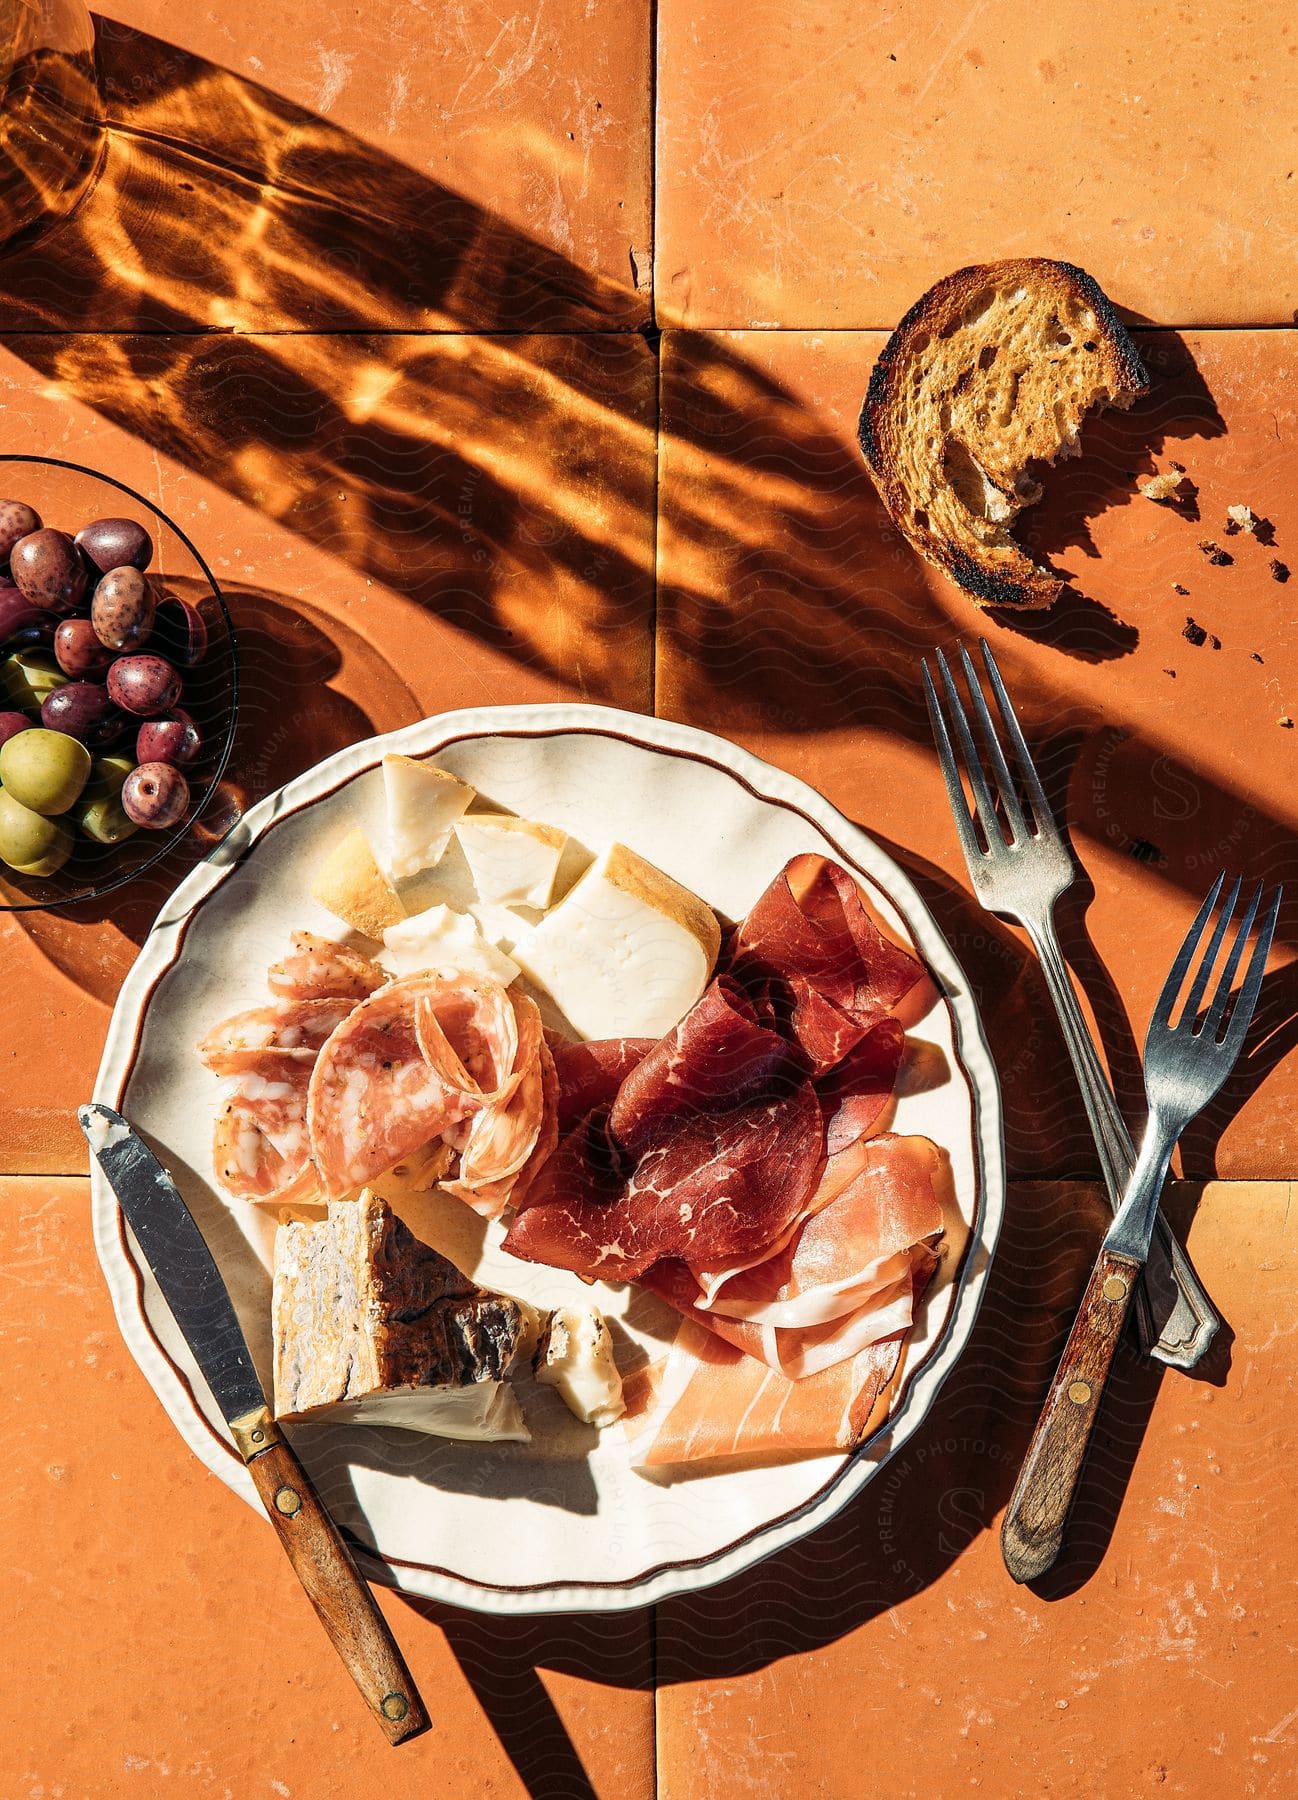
{"x":192,"y":1286}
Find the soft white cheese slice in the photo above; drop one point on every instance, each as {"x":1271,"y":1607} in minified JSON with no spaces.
{"x":575,"y":1356}
{"x":513,"y":861}
{"x":626,"y":952}
{"x":423,"y":804}
{"x":445,"y":942}
{"x":487,"y":1412}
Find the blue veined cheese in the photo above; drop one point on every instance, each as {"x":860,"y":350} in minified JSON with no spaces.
{"x":513,"y":861}
{"x":371,"y":1326}
{"x":626,"y":952}
{"x":423,"y":804}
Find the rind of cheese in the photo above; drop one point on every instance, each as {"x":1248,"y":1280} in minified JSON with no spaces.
{"x":575,"y":1356}
{"x":423,"y":804}
{"x":513,"y":861}
{"x":350,"y":884}
{"x":626,"y":952}
{"x":444,"y":942}
{"x":374,"y":1326}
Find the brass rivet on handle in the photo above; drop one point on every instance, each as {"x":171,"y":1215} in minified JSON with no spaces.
{"x":1115,"y":1288}
{"x":288,"y":1501}
{"x":1079,"y":1392}
{"x":395,"y":1706}
{"x":258,"y":1436}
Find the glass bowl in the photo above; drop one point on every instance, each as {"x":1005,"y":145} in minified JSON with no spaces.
{"x":68,"y":496}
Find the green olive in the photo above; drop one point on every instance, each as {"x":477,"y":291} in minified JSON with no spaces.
{"x":27,"y":677}
{"x":44,"y":770}
{"x":29,"y":843}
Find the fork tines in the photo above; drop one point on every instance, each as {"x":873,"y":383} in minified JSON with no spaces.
{"x":1212,"y":1023}
{"x":1007,"y":790}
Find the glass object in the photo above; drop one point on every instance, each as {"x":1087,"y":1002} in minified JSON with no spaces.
{"x":67,"y":497}
{"x":51,"y":116}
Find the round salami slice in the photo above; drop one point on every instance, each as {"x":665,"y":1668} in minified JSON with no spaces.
{"x":316,"y":969}
{"x":260,"y":1147}
{"x":265,"y":1038}
{"x":373,"y":1097}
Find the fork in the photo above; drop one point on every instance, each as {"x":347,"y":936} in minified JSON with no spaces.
{"x":1185,"y":1064}
{"x":1023,"y":879}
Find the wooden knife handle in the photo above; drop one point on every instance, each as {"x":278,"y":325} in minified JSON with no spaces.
{"x":334,"y":1585}
{"x":1033,"y":1530}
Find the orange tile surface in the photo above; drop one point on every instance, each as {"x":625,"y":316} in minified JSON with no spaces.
{"x":793,"y":617}
{"x":891,"y":1653}
{"x":397,"y":168}
{"x":156,"y":1639}
{"x":824,"y":166}
{"x":402,"y":526}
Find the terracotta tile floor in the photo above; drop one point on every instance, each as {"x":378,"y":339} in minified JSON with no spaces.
{"x":370,"y":299}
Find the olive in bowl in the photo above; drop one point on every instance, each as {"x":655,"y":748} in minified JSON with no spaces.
{"x":110,"y":544}
{"x":83,"y":710}
{"x":123,"y":609}
{"x":144,"y":685}
{"x":17,"y":520}
{"x":50,"y":570}
{"x":44,"y":771}
{"x":77,"y":650}
{"x":156,"y":796}
{"x":173,"y":739}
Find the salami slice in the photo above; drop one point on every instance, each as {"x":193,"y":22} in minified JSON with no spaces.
{"x":373,"y":1096}
{"x":317,"y":969}
{"x":265,"y":1038}
{"x":260,"y":1145}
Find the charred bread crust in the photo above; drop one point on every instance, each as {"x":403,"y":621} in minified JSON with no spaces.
{"x":882,"y":407}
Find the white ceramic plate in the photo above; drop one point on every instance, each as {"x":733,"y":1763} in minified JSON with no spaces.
{"x":565,"y":1523}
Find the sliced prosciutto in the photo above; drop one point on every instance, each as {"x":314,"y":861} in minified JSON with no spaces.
{"x":709,"y":1150}
{"x":374,"y":1097}
{"x":845,"y":1280}
{"x":588,"y":1075}
{"x":317,"y":969}
{"x":713,"y":1401}
{"x":810,"y":954}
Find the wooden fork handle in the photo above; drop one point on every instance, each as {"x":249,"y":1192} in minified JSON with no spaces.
{"x":335,"y":1586}
{"x":1033,"y":1529}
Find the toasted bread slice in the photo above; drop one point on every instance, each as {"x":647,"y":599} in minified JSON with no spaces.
{"x":994,"y":369}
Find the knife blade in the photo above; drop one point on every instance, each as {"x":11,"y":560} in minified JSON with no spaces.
{"x":191,"y":1284}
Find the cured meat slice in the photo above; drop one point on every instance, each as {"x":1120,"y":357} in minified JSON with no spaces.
{"x":842,"y":1282}
{"x":506,"y":1144}
{"x":469,"y":1031}
{"x":261,"y":1150}
{"x":266,"y":1037}
{"x":590,"y":1074}
{"x":713,"y":1401}
{"x":373,"y":1097}
{"x":317,"y":969}
{"x":814,"y":959}
{"x":713,"y":1144}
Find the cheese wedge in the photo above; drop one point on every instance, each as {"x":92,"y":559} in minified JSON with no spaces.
{"x":626,"y":952}
{"x":423,"y":804}
{"x":372,"y":1326}
{"x":575,"y":1356}
{"x":445,"y":942}
{"x":350,"y":884}
{"x":513,"y":861}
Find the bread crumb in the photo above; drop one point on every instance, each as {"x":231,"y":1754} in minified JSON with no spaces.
{"x":1194,"y":634}
{"x":1164,"y":487}
{"x":1279,"y":570}
{"x":1178,"y":589}
{"x":1242,"y":518}
{"x":1171,"y":672}
{"x":1286,"y":723}
{"x":1215,"y":553}
{"x":1256,"y":657}
{"x":1215,"y":642}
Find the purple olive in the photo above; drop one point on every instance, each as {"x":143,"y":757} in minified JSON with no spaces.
{"x":115,"y":544}
{"x":21,"y":623}
{"x":11,"y":723}
{"x":78,"y":651}
{"x":122,"y":609}
{"x":17,"y":520}
{"x":155,"y":795}
{"x":175,"y":739}
{"x":179,"y":632}
{"x":144,"y":685}
{"x":83,"y":710}
{"x":50,"y":570}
